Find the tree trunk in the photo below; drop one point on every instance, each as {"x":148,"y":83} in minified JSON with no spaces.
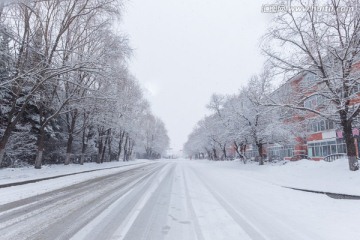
{"x":109,"y":146}
{"x":224,"y":152}
{"x":242,"y":151}
{"x":148,"y":152}
{"x":2,"y":154}
{"x":69,"y":149}
{"x":110,"y":150}
{"x":40,"y":151}
{"x":83,"y":147}
{"x":125,"y":147}
{"x":104,"y":146}
{"x":4,"y":141}
{"x":14,"y":116}
{"x":38,"y":160}
{"x":71,"y":127}
{"x":82,"y":159}
{"x":209,"y":155}
{"x":103,"y":153}
{"x":214,"y":154}
{"x":100,"y":147}
{"x":260,"y":150}
{"x":122,"y":134}
{"x":131,"y":147}
{"x":350,"y":143}
{"x":239,"y":151}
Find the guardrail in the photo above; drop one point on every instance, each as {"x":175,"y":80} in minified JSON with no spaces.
{"x":298,"y":157}
{"x":333,"y":157}
{"x":274,"y":158}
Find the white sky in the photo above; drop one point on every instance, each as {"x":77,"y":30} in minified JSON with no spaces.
{"x":185,"y":50}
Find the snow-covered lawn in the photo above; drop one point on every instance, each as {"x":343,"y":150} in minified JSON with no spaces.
{"x":313,"y":175}
{"x":252,"y":195}
{"x":11,"y":175}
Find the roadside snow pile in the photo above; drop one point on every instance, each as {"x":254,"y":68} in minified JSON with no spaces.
{"x":320,"y":176}
{"x":305,"y":174}
{"x":10,"y":175}
{"x":10,"y":194}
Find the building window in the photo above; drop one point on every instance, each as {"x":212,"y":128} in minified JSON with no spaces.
{"x":320,"y":125}
{"x":281,"y":151}
{"x":323,"y":149}
{"x":314,"y":101}
{"x":252,"y":153}
{"x":355,"y":89}
{"x":308,"y":80}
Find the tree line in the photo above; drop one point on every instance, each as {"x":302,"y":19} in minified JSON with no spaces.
{"x":239,"y":121}
{"x":319,"y":48}
{"x":66,"y":93}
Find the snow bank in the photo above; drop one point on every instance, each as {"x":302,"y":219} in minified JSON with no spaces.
{"x":10,"y":194}
{"x":10,"y":175}
{"x":253,"y":194}
{"x":313,"y":175}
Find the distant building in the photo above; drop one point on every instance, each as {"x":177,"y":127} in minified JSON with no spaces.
{"x":318,"y":137}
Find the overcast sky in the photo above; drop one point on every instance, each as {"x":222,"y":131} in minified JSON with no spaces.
{"x":185,"y":50}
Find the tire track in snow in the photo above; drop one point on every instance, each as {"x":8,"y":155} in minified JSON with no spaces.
{"x":191,"y":210}
{"x":153,"y":212}
{"x":96,"y":207}
{"x":285,"y":232}
{"x":116,"y":221}
{"x":34,"y":221}
{"x":252,"y":231}
{"x":124,"y":202}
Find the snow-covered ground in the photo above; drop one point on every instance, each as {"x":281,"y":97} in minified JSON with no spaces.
{"x":13,"y":175}
{"x":183,"y":199}
{"x":305,"y":174}
{"x":255,"y":194}
{"x":10,"y":175}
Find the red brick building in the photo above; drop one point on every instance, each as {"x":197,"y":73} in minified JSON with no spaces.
{"x":314,"y":136}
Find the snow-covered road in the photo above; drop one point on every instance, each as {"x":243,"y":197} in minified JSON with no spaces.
{"x":180,"y":200}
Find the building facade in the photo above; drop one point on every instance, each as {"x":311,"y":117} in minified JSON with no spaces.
{"x":314,"y":136}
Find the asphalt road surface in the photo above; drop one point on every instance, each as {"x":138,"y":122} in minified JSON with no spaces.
{"x":176,"y":200}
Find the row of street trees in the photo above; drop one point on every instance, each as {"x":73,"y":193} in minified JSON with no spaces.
{"x":65,"y":90}
{"x":317,"y":38}
{"x":238,"y":121}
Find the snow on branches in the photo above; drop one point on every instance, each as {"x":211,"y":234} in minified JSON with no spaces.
{"x":64,"y":83}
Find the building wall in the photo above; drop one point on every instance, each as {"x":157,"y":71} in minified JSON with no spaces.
{"x":320,"y":142}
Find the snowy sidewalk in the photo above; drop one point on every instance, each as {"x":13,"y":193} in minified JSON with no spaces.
{"x":256,"y":195}
{"x":321,"y":176}
{"x":9,"y":176}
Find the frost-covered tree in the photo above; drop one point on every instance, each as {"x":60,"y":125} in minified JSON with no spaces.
{"x":85,"y":52}
{"x":153,"y":136}
{"x":236,"y":132}
{"x":200,"y":144}
{"x":323,"y":47}
{"x":220,"y":123}
{"x":238,"y":121}
{"x":65,"y":85}
{"x":261,"y":124}
{"x":40,"y":31}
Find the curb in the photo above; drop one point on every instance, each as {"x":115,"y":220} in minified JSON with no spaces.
{"x":59,"y":176}
{"x":329,"y":194}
